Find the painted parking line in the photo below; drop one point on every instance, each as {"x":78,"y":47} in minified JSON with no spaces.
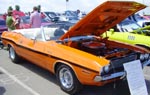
{"x":19,"y":82}
{"x":8,"y":80}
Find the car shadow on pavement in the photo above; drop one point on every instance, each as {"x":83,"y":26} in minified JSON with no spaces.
{"x":116,"y":88}
{"x":2,"y":90}
{"x":40,"y":71}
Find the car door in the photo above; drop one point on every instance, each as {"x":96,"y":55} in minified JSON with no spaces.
{"x":33,"y":48}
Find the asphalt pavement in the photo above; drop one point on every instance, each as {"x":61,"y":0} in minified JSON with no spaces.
{"x":29,"y":79}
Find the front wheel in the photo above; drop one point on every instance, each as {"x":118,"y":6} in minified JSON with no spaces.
{"x":13,"y":55}
{"x":68,"y":80}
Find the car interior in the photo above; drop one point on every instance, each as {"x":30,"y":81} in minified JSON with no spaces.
{"x":47,"y":34}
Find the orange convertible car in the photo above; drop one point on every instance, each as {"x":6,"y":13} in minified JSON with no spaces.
{"x":79,"y":56}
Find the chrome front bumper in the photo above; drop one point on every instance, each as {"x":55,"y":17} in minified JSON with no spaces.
{"x":117,"y":74}
{"x":110,"y":76}
{"x":120,"y":74}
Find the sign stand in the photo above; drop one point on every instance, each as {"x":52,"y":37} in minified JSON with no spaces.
{"x":135,"y":78}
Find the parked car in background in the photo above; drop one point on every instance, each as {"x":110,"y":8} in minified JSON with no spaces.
{"x":71,"y":15}
{"x":133,"y":34}
{"x":25,"y":22}
{"x":55,"y":17}
{"x":65,"y":24}
{"x":127,"y":25}
{"x":79,"y":56}
{"x":68,"y":16}
{"x":142,"y":21}
{"x":52,"y":16}
{"x":3,"y":26}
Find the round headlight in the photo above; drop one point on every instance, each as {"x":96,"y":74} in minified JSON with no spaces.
{"x":142,"y":57}
{"x":107,"y":68}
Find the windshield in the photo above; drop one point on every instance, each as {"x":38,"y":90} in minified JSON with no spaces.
{"x":50,"y":14}
{"x":55,"y":31}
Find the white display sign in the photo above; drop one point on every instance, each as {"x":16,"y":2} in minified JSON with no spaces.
{"x":135,"y":78}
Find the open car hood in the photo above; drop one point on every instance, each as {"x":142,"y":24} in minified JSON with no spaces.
{"x":103,"y":17}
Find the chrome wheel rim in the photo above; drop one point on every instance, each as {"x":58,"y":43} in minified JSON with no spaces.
{"x":12,"y":53}
{"x":66,"y":78}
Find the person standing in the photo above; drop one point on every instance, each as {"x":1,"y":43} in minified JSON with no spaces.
{"x":10,"y":21}
{"x":35,"y":18}
{"x":17,"y":14}
{"x":17,"y":11}
{"x":79,"y":14}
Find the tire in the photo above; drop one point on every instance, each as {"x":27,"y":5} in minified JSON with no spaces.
{"x":67,"y":80}
{"x":13,"y":55}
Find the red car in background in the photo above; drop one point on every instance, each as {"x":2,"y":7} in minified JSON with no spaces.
{"x":25,"y":22}
{"x":3,"y":26}
{"x":1,"y":16}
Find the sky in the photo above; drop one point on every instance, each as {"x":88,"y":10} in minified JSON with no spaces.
{"x":54,"y":5}
{"x":50,"y":5}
